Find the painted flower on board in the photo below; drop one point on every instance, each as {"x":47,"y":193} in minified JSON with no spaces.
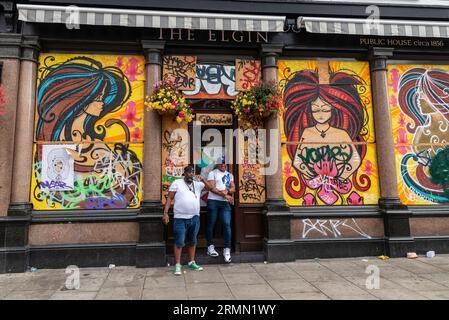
{"x":402,"y":141}
{"x":368,"y":169}
{"x":130,"y":114}
{"x":136,"y":135}
{"x":132,"y":69}
{"x":327,"y":182}
{"x":119,"y":62}
{"x":288,"y":169}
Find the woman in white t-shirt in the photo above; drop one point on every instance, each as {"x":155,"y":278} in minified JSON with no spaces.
{"x":218,"y":204}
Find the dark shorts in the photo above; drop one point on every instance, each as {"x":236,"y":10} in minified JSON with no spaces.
{"x":186,"y":230}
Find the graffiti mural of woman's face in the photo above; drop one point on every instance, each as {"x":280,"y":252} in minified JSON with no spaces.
{"x":96,"y":107}
{"x":424,"y":104}
{"x":321,"y":111}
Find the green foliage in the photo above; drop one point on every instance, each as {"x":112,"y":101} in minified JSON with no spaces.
{"x":439,"y":170}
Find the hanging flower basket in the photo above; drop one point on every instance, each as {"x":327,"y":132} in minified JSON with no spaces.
{"x":168,"y":100}
{"x":262,"y":101}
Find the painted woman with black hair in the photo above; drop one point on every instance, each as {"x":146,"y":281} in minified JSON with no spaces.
{"x":72,"y":98}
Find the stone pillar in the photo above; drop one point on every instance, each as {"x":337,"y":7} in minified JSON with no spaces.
{"x":151,"y":246}
{"x":24,"y":133}
{"x":277,"y":243}
{"x":14,"y":227}
{"x":10,"y":52}
{"x":396,"y":215}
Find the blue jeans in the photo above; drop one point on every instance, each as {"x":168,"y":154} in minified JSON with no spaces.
{"x":223,"y":210}
{"x":186,"y":229}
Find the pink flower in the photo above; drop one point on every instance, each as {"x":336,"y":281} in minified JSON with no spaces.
{"x":394,"y":79}
{"x":287,"y":169}
{"x":368,"y":168}
{"x":132,"y":69}
{"x":130,"y":114}
{"x":136,"y":134}
{"x":246,"y":110}
{"x":2,"y":112}
{"x":327,"y":181}
{"x":402,"y":140}
{"x":402,"y":120}
{"x":119,"y":62}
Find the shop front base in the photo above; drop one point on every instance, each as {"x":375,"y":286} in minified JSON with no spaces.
{"x":13,"y":260}
{"x":150,"y":255}
{"x":279,"y":250}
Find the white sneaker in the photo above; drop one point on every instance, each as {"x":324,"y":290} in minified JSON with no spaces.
{"x":227,"y":255}
{"x":211,"y":251}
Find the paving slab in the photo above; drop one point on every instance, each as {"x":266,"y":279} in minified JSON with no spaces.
{"x":304,"y":296}
{"x":205,"y":276}
{"x":253,"y":291}
{"x":336,"y":289}
{"x":397,"y":294}
{"x":120,"y":293}
{"x":292,"y":286}
{"x":236,"y":268}
{"x":124,"y":279}
{"x":322,"y":275}
{"x":243,"y":278}
{"x":74,"y":295}
{"x":30,"y":295}
{"x":179,"y":293}
{"x":435,"y":295}
{"x":208,"y":290}
{"x":166,"y":281}
{"x":419,"y":284}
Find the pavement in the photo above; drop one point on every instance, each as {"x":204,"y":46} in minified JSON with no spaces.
{"x":318,"y":279}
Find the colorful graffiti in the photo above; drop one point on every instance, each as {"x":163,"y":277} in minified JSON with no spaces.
{"x":180,"y":70}
{"x":175,"y":152}
{"x":419,"y":104}
{"x":328,"y":135}
{"x":251,"y":182}
{"x":213,"y":81}
{"x":94,"y":104}
{"x":249,"y":73}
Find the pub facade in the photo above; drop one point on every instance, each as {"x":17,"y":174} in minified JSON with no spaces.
{"x":85,"y":165}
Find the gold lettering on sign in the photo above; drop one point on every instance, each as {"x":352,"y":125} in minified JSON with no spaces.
{"x":223,"y":38}
{"x":214,"y":119}
{"x":393,"y":42}
{"x":238,"y":38}
{"x":190,"y":35}
{"x":212,"y":36}
{"x":174,"y":33}
{"x":263,"y":36}
{"x":178,"y":34}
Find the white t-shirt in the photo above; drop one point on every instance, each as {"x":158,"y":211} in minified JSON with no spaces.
{"x":187,"y":204}
{"x":222,"y":182}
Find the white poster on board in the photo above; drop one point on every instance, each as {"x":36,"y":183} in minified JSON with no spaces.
{"x":57,"y":167}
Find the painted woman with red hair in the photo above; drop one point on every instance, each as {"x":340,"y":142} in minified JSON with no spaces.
{"x":325,"y":120}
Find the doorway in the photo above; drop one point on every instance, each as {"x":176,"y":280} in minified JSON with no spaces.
{"x":214,"y":115}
